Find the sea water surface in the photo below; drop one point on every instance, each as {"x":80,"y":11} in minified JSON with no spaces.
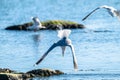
{"x":97,"y":47}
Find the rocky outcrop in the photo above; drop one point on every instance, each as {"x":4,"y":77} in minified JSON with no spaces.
{"x":6,"y":70}
{"x":44,"y":72}
{"x":19,"y":27}
{"x":49,"y":25}
{"x":7,"y":74}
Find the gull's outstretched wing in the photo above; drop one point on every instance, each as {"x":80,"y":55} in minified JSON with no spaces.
{"x":90,"y":14}
{"x":51,"y":48}
{"x":74,"y":57}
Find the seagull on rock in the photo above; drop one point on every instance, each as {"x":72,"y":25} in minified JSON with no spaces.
{"x":36,"y":24}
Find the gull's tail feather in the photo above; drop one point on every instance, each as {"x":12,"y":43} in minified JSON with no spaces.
{"x":90,"y":14}
{"x":63,"y":50}
{"x":64,"y":33}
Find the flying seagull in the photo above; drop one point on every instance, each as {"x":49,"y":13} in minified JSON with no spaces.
{"x":112,"y":11}
{"x":63,"y":43}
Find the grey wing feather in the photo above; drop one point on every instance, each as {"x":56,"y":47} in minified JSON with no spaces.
{"x":74,"y":57}
{"x":51,"y":48}
{"x":90,"y":14}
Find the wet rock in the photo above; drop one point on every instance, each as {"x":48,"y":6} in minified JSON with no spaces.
{"x":45,"y":72}
{"x":19,"y":27}
{"x":49,"y":25}
{"x":10,"y":76}
{"x":3,"y":77}
{"x":7,"y":74}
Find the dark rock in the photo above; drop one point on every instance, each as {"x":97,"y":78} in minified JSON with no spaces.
{"x":10,"y":76}
{"x":3,"y":77}
{"x":45,"y":72}
{"x":6,"y":70}
{"x":19,"y":27}
{"x":49,"y":25}
{"x":7,"y":74}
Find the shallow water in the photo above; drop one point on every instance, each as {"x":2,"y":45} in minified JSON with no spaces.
{"x":97,"y":47}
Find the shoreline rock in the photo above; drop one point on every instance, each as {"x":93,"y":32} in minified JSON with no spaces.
{"x":49,"y":25}
{"x":7,"y":74}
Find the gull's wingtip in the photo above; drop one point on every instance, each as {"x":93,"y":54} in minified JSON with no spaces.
{"x":75,"y":66}
{"x":83,"y":19}
{"x":35,"y":65}
{"x":76,"y":69}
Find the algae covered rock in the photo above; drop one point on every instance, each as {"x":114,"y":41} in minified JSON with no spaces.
{"x":52,"y":24}
{"x":49,"y":25}
{"x":7,"y":74}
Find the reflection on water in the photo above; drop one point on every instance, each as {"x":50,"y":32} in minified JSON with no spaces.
{"x":36,"y":40}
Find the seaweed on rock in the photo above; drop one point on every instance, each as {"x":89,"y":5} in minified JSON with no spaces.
{"x":49,"y":25}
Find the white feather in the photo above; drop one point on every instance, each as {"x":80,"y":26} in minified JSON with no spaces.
{"x":64,"y":33}
{"x":36,"y":24}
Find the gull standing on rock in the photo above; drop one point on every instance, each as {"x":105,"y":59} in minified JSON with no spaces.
{"x":63,"y":42}
{"x":112,"y":11}
{"x":36,"y":24}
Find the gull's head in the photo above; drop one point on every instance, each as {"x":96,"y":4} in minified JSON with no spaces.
{"x":60,"y":27}
{"x":35,"y":19}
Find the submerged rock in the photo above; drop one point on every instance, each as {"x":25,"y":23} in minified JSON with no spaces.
{"x":49,"y":25}
{"x":12,"y":75}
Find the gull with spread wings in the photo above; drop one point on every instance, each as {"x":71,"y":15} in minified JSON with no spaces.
{"x":112,"y":11}
{"x":63,"y":43}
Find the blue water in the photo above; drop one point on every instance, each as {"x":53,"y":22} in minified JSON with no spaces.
{"x":96,"y":47}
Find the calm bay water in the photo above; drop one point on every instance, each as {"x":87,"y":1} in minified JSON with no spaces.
{"x":97,"y":47}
